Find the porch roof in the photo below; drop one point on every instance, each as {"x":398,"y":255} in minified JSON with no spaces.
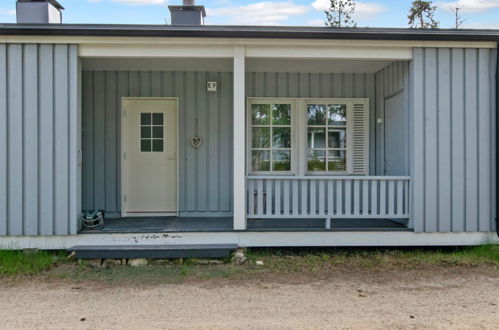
{"x":226,"y":31}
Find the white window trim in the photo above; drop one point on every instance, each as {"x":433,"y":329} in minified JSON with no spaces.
{"x":299,"y":130}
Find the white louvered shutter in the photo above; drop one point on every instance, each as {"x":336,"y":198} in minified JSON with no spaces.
{"x":360,"y":137}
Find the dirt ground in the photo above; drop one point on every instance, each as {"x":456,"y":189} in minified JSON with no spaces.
{"x":445,"y":298}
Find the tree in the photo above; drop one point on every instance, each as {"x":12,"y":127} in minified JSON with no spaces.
{"x":459,"y":20}
{"x":421,"y":15}
{"x":340,"y":13}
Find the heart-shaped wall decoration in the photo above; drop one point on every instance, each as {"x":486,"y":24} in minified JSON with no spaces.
{"x":196,"y":141}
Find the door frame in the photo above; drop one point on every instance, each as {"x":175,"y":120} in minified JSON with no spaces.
{"x":123,"y":164}
{"x":403,"y":124}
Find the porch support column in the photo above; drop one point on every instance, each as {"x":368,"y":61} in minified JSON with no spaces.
{"x":239,"y":143}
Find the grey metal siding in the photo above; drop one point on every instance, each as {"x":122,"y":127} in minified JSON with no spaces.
{"x":38,"y":139}
{"x":205,"y":174}
{"x":390,"y":80}
{"x":453,"y":111}
{"x":320,"y":85}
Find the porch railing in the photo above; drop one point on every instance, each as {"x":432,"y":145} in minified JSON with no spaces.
{"x":328,"y":197}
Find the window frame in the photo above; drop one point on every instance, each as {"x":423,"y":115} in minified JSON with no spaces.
{"x":299,"y":132}
{"x":249,"y":137}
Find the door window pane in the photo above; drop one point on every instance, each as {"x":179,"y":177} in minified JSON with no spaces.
{"x":157,"y":119}
{"x":157,"y":132}
{"x":145,"y":132}
{"x":145,"y":118}
{"x":145,"y":145}
{"x":157,"y":145}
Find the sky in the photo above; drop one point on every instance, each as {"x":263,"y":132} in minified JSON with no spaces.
{"x":481,"y":14}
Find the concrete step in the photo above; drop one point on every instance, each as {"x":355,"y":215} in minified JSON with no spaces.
{"x":153,"y":251}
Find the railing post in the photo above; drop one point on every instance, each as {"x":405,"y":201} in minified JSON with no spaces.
{"x":239,"y":142}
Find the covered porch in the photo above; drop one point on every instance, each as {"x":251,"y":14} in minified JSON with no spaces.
{"x":367,"y":188}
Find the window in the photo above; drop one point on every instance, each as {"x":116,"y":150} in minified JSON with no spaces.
{"x":308,"y":136}
{"x":326,"y":137}
{"x":271,"y":145}
{"x":151,"y":132}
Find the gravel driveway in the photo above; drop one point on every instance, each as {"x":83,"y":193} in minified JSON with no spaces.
{"x":463,"y":299}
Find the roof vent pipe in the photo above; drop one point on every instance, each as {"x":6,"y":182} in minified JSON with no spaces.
{"x":188,"y":13}
{"x":39,"y":11}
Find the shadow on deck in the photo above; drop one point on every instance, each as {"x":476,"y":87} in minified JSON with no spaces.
{"x":224,"y":224}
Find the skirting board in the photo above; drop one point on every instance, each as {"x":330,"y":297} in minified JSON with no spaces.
{"x":255,"y":239}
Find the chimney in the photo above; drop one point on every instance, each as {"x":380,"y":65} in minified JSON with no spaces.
{"x":187,"y":14}
{"x":39,"y":11}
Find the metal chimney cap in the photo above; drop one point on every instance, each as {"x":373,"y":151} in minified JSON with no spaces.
{"x":52,"y":2}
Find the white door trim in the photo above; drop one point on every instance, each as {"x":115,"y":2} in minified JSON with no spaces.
{"x":123,"y":164}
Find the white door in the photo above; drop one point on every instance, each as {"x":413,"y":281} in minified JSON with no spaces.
{"x":394,"y":135}
{"x":149,"y":166}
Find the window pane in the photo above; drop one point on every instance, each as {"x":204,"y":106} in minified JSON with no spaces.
{"x":281,"y":137}
{"x":145,"y":145}
{"x":316,"y":137}
{"x":281,"y":114}
{"x":145,"y":119}
{"x":145,"y":132}
{"x":337,"y":137}
{"x":260,"y":160}
{"x":337,"y":160}
{"x":157,"y":119}
{"x":337,"y":114}
{"x":316,"y":114}
{"x":157,"y":132}
{"x":260,"y":114}
{"x":281,"y":160}
{"x":261,"y":137}
{"x":316,"y":160}
{"x":157,"y":145}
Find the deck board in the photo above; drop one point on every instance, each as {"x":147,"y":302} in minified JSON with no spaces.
{"x":224,"y":224}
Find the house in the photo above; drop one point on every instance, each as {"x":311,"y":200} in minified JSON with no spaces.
{"x":246,"y":135}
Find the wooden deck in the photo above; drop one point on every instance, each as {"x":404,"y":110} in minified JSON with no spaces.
{"x":224,"y":224}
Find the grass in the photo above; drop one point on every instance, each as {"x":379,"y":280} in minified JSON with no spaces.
{"x":315,"y":262}
{"x":14,"y":263}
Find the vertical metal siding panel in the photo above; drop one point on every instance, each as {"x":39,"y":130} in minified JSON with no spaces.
{"x":179,"y":90}
{"x":213,"y":118}
{"x":431,"y":140}
{"x":325,"y":84}
{"x":74,"y":87}
{"x":270,"y":84}
{"x":156,"y":88}
{"x":99,"y":123}
{"x":315,"y":85}
{"x":493,"y":91}
{"x":294,"y":86}
{"x":370,"y":92}
{"x":30,"y":138}
{"x":380,"y":109}
{"x":61,"y":143}
{"x":87,"y":137}
{"x":111,"y":137}
{"x":248,"y":84}
{"x":202,"y":162}
{"x":281,"y":81}
{"x":337,"y":81}
{"x":304,"y":85}
{"x":484,"y":161}
{"x":190,"y":110}
{"x":15,"y":139}
{"x":458,"y":141}
{"x":225,"y":139}
{"x":418,"y":177}
{"x":471,"y":143}
{"x":46,"y":136}
{"x":444,"y":141}
{"x":168,"y":84}
{"x":133,"y":83}
{"x":259,"y":84}
{"x":122,"y":91}
{"x":145,"y":84}
{"x":348,"y":85}
{"x":3,"y":140}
